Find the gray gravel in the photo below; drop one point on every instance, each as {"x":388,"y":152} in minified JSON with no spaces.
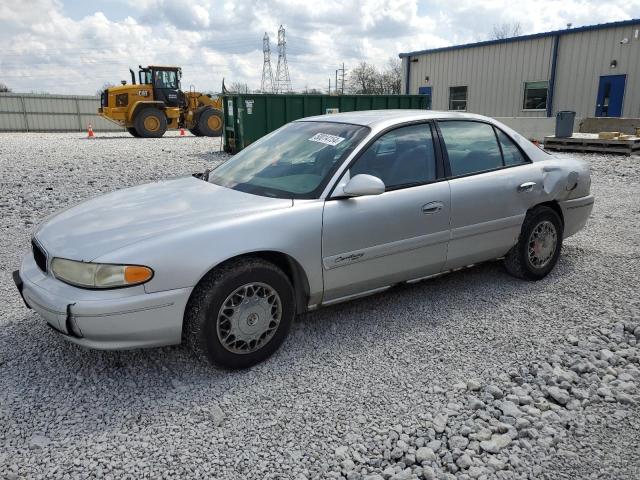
{"x":472,"y":375}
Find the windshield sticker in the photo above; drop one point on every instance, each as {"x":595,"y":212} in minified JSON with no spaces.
{"x":326,"y":139}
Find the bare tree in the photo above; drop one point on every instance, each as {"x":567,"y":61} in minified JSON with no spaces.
{"x":506,"y":30}
{"x":103,"y":88}
{"x":367,"y":79}
{"x":4,"y":88}
{"x":393,"y":76}
{"x":239,"y":87}
{"x":363,"y":79}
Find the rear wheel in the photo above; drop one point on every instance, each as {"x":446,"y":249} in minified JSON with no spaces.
{"x":538,"y":247}
{"x":239,"y":314}
{"x":133,"y":132}
{"x":209,"y":123}
{"x":150,"y":123}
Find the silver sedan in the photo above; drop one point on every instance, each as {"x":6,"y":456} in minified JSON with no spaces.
{"x":323,"y":210}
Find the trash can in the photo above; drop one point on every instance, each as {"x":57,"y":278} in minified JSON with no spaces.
{"x":564,"y":123}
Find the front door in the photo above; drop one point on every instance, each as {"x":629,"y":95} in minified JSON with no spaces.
{"x":373,"y":241}
{"x":610,"y":96}
{"x":426,"y":91}
{"x":166,"y":87}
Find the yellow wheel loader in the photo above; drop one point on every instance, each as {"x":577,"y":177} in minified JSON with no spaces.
{"x":156,"y":104}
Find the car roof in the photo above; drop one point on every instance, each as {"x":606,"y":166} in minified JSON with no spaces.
{"x":378,"y":120}
{"x":374,"y":118}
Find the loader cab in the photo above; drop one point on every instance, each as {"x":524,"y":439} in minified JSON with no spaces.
{"x":165,"y":82}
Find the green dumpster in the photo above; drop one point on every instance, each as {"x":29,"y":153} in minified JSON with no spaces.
{"x":248,"y":117}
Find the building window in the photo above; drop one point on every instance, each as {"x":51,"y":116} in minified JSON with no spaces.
{"x":457,"y":98}
{"x":535,"y":95}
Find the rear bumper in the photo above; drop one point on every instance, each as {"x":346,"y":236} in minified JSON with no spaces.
{"x":576,"y":213}
{"x":104,"y":319}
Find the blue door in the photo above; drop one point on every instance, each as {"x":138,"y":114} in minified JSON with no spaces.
{"x":426,"y":91}
{"x":610,"y":96}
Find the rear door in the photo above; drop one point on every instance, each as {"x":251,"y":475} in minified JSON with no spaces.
{"x":493,"y":185}
{"x":373,"y":241}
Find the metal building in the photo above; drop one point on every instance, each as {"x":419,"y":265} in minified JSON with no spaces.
{"x":593,"y":70}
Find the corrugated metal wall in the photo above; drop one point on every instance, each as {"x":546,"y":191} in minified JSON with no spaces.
{"x":584,"y":56}
{"x":28,"y":112}
{"x":495,"y":74}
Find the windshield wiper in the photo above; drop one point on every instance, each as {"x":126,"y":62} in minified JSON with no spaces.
{"x":202,"y":175}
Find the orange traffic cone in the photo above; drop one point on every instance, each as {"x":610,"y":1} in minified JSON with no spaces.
{"x":182,"y":134}
{"x":90,"y":133}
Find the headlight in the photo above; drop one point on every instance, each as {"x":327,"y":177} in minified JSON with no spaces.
{"x":99,"y":275}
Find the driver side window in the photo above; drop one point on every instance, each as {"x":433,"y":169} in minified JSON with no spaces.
{"x":400,"y":158}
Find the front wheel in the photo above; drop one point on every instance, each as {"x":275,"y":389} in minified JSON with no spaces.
{"x":239,"y":314}
{"x":538,"y":247}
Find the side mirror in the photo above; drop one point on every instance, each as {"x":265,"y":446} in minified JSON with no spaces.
{"x":362,"y":185}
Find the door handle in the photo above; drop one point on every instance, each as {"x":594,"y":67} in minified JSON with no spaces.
{"x":432,"y":207}
{"x":526,"y":186}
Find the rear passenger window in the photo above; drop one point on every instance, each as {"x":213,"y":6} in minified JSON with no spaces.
{"x":400,"y":158}
{"x":471,"y":146}
{"x":511,"y":153}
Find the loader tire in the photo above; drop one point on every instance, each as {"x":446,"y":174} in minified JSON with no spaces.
{"x":150,"y":123}
{"x":195,"y":131}
{"x":209,"y":122}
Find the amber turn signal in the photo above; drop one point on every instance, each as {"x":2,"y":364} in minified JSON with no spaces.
{"x":137,"y":274}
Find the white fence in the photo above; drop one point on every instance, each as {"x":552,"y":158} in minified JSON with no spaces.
{"x":29,"y":112}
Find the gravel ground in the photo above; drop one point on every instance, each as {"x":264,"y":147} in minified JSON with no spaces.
{"x":471,"y":375}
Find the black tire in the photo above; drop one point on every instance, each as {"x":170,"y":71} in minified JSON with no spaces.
{"x":195,"y":131}
{"x":518,"y":262}
{"x":150,"y":123}
{"x":133,"y":132}
{"x":200,"y":330}
{"x":209,"y":122}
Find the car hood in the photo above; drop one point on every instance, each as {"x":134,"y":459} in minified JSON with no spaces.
{"x":106,"y":223}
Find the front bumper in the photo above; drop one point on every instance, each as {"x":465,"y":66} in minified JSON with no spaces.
{"x":103,"y":319}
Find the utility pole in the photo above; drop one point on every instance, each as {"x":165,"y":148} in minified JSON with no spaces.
{"x":329,"y":86}
{"x":343,"y":78}
{"x":337,"y":81}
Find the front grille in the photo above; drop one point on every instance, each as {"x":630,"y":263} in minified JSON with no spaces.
{"x":104,"y":98}
{"x":39,"y":256}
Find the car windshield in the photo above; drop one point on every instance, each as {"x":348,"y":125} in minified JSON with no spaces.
{"x":295,"y":161}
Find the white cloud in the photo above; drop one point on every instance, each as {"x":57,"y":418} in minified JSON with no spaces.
{"x":44,"y":50}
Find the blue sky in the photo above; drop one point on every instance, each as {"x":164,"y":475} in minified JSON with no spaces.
{"x":76,"y":46}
